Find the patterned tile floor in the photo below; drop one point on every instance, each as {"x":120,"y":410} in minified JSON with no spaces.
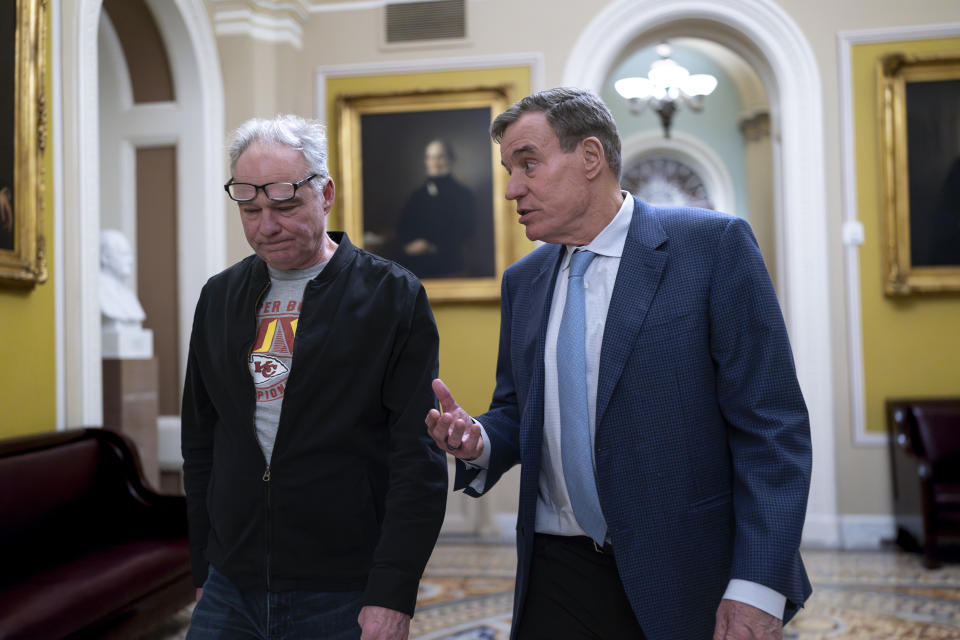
{"x":467,"y":590}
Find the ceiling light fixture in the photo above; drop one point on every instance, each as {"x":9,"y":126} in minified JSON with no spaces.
{"x":667,"y":87}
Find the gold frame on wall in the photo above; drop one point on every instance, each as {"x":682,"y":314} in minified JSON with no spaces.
{"x":25,"y":262}
{"x":351,"y":109}
{"x":894,"y":71}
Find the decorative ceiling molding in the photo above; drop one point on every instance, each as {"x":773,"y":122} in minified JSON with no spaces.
{"x":265,"y":20}
{"x":299,"y":7}
{"x":326,"y":6}
{"x":280,"y":20}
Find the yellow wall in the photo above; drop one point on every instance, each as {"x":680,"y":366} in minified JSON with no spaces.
{"x":28,"y":401}
{"x":911,"y":344}
{"x":469,"y":332}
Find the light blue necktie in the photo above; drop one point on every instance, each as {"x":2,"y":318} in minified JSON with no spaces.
{"x":575,"y":441}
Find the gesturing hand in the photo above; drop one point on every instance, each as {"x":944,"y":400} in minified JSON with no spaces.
{"x":453,"y":430}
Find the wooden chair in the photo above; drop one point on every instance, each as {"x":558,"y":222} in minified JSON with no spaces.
{"x":925,"y":457}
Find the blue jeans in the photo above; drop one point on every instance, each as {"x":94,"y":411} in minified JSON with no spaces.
{"x":227,"y":613}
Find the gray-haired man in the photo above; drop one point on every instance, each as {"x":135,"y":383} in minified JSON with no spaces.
{"x":301,"y":356}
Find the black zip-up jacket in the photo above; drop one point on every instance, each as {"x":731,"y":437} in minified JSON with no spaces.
{"x":355,"y":493}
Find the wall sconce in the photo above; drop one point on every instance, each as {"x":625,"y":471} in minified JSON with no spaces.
{"x":667,"y":87}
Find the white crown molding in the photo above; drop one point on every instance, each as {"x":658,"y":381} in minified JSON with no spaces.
{"x":352,"y":5}
{"x":282,"y":22}
{"x":264,"y":20}
{"x":894,"y":34}
{"x":845,"y":42}
{"x":302,"y":7}
{"x":532,"y":60}
{"x":299,"y":8}
{"x":266,"y":28}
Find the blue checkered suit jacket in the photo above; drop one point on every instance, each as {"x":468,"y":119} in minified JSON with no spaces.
{"x":702,"y":443}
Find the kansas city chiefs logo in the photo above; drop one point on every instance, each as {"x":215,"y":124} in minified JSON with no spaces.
{"x":266,"y":367}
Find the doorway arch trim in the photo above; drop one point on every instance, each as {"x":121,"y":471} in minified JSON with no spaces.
{"x":189,"y":38}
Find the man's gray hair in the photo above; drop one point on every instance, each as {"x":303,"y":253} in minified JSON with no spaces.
{"x":573,"y":114}
{"x":307,"y":136}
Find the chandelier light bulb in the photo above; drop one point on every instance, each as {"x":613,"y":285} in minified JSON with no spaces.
{"x":699,"y":84}
{"x":667,"y":73}
{"x":667,"y":87}
{"x":634,"y":88}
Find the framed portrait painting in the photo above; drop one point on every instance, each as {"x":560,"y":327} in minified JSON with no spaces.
{"x":422,"y":185}
{"x":919,"y":103}
{"x":22,"y":116}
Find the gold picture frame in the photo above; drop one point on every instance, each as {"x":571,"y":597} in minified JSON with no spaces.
{"x":383,"y":143}
{"x":22,"y":243}
{"x":919,"y":99}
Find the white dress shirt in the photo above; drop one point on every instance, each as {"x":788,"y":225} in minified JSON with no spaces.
{"x":554,"y":512}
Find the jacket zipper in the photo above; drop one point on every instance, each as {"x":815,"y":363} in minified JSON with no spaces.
{"x":269,"y":532}
{"x":266,"y":474}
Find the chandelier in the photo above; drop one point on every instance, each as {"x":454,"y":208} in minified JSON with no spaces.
{"x":667,"y":87}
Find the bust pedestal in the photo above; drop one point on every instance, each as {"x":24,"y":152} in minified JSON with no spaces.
{"x":130,"y":392}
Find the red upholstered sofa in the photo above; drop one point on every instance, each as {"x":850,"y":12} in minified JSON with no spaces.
{"x":88,"y":550}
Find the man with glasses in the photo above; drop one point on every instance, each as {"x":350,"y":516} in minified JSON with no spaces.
{"x":314,"y":496}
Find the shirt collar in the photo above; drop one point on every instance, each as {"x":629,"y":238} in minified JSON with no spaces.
{"x":609,"y":242}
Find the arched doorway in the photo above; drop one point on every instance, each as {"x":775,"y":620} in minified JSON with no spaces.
{"x":192,"y":125}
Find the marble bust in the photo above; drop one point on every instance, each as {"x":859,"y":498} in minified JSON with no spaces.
{"x":120,"y":311}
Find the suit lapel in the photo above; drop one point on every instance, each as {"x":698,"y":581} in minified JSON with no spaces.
{"x":638,"y":277}
{"x":540,"y":299}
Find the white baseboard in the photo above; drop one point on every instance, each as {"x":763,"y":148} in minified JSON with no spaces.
{"x":848,"y":531}
{"x":866,"y":531}
{"x":821,"y":531}
{"x":505,"y":524}
{"x":500,"y":528}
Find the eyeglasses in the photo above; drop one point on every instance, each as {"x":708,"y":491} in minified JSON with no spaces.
{"x":276,"y":191}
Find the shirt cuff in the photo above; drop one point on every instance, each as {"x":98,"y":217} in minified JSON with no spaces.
{"x":482,"y":461}
{"x":756,"y":595}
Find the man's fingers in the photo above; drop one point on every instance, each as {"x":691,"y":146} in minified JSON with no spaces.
{"x":453,"y":430}
{"x":464,"y":440}
{"x":436,"y":430}
{"x":455,"y":434}
{"x":446,"y":429}
{"x":472,"y":442}
{"x":443,"y":394}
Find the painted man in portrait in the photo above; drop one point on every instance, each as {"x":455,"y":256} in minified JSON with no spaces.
{"x":438,"y":219}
